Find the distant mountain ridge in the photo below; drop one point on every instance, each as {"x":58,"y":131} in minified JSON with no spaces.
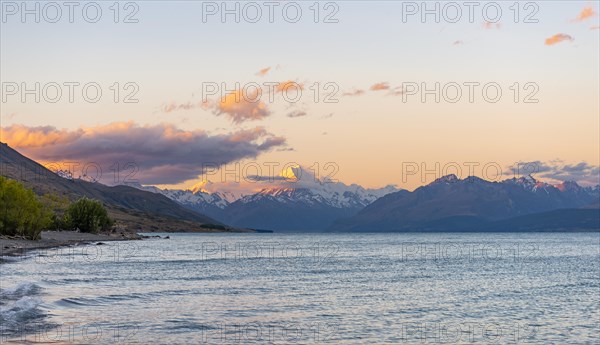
{"x":301,"y":204}
{"x":474,"y":204}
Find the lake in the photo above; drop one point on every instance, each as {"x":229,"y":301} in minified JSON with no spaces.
{"x":308,"y":288}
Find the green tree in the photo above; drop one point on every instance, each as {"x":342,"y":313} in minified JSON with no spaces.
{"x":58,"y":206}
{"x":21,"y":213}
{"x":87,"y":215}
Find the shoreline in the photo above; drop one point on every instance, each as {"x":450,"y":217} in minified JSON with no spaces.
{"x":12,"y":247}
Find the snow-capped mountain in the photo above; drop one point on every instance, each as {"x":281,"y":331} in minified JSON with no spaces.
{"x":474,"y":204}
{"x":565,"y":189}
{"x":300,"y":185}
{"x":194,"y":199}
{"x":295,"y":200}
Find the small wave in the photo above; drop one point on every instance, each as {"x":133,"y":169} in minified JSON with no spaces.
{"x":21,"y":290}
{"x":15,"y":258}
{"x":97,"y":301}
{"x":19,"y":307}
{"x":66,"y":302}
{"x":17,"y":316}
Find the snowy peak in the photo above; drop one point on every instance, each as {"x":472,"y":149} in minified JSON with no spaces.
{"x":529,"y":183}
{"x":337,"y":195}
{"x":294,"y":185}
{"x":188,"y":197}
{"x":294,"y":173}
{"x":200,"y":187}
{"x":569,"y":186}
{"x":446,"y":179}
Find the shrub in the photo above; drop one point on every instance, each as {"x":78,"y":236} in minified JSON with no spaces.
{"x":87,"y":215}
{"x":21,"y":213}
{"x":58,"y":206}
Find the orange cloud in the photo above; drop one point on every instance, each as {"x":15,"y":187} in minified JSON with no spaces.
{"x":558,"y":38}
{"x":586,"y":13}
{"x":263,"y":72}
{"x":380,"y":86}
{"x":286,"y":85}
{"x":26,"y":137}
{"x":240,"y":106}
{"x":594,"y":27}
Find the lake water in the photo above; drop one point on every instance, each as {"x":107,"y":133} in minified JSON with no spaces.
{"x":307,"y":289}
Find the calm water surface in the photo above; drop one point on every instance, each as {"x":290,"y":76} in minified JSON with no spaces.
{"x":307,"y":289}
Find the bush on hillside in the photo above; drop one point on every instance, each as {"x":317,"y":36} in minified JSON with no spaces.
{"x":87,"y":215}
{"x":21,"y":213}
{"x":58,"y":206}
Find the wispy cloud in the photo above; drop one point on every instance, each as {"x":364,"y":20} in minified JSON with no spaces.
{"x":297,"y":113}
{"x":558,"y":38}
{"x":163,"y":153}
{"x":353,"y":93}
{"x":263,"y":72}
{"x":490,"y":25}
{"x":380,"y":86}
{"x":586,"y":13}
{"x":458,"y":43}
{"x":173,"y":106}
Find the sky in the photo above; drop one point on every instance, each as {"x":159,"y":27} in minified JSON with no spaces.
{"x":373,"y":93}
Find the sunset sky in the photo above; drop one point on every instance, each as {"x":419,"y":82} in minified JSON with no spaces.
{"x":362,"y":61}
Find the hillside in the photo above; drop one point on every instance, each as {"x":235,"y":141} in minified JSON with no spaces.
{"x":135,"y":209}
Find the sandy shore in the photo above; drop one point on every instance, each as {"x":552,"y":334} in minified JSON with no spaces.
{"x":51,"y":239}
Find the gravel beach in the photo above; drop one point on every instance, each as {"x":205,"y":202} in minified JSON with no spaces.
{"x":14,"y":246}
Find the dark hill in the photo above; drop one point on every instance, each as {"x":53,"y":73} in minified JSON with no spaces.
{"x":134,"y":208}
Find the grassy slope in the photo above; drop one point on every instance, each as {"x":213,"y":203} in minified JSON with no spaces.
{"x":134,"y":209}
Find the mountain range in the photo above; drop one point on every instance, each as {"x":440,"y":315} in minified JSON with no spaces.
{"x":474,"y":204}
{"x":447,"y":204}
{"x":299,"y":202}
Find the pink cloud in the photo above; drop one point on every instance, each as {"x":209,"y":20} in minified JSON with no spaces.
{"x":558,"y":38}
{"x":163,"y":153}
